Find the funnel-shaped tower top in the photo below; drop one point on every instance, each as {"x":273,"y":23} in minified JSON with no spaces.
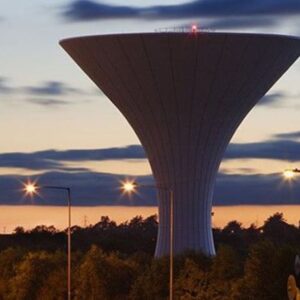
{"x":184,"y":94}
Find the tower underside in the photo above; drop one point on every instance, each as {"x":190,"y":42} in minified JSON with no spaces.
{"x":184,"y":95}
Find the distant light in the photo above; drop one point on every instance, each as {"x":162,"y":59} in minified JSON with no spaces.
{"x":194,"y":28}
{"x":128,"y":186}
{"x":289,"y":174}
{"x":30,"y":188}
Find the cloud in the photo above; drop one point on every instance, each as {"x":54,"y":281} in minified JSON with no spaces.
{"x":4,"y":87}
{"x":54,"y":159}
{"x":217,"y":8}
{"x":84,"y":10}
{"x":275,"y":98}
{"x":50,"y":94}
{"x":280,"y":149}
{"x":128,"y":152}
{"x":35,"y":163}
{"x":255,"y":189}
{"x":89,"y":188}
{"x":48,"y":102}
{"x":47,"y":88}
{"x":288,"y":135}
{"x":93,"y":188}
{"x":238,"y":22}
{"x":271,"y":99}
{"x":47,"y":94}
{"x":273,"y":149}
{"x":89,"y":10}
{"x":52,"y":88}
{"x":27,"y":161}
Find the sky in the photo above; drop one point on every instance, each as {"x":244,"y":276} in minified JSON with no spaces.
{"x":58,"y":128}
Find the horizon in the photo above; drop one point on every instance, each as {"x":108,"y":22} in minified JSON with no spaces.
{"x":84,"y":216}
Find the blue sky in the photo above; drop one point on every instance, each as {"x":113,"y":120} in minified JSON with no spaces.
{"x":48,"y":103}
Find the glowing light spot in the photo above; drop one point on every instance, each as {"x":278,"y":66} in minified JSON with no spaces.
{"x":194,"y":28}
{"x":30,"y":188}
{"x":128,"y":186}
{"x":289,"y":174}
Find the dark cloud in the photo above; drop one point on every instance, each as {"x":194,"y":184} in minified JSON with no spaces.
{"x":47,"y":88}
{"x":53,"y":159}
{"x":4,"y":87}
{"x":89,"y":10}
{"x":87,"y":188}
{"x":288,"y":135}
{"x":92,"y":188}
{"x":255,"y":189}
{"x":273,"y":149}
{"x":52,"y":88}
{"x":218,"y":8}
{"x":47,"y":94}
{"x":27,"y":161}
{"x":31,"y":162}
{"x":271,"y":99}
{"x":128,"y":152}
{"x":103,"y":189}
{"x":84,"y":10}
{"x":238,"y":22}
{"x":48,"y":102}
{"x":280,"y":149}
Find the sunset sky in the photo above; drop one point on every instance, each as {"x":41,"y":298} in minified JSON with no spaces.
{"x":57,"y":126}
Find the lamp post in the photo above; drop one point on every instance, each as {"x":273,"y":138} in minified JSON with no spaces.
{"x":129,"y":187}
{"x":32,"y":188}
{"x":289,"y":175}
{"x":293,"y":290}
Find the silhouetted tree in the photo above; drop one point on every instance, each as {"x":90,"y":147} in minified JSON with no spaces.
{"x":30,"y":276}
{"x":279,"y":232}
{"x":111,"y":261}
{"x":103,"y":276}
{"x":153,"y":282}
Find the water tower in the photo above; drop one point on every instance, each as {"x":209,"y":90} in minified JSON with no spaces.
{"x":184,"y":94}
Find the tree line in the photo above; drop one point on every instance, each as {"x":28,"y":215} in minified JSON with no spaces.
{"x":111,"y":261}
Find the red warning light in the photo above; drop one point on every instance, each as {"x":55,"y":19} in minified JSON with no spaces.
{"x":194,"y":28}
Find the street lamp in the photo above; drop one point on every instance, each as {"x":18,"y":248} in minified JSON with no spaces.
{"x":292,"y":288}
{"x":290,"y":173}
{"x":130,"y":187}
{"x":32,"y":188}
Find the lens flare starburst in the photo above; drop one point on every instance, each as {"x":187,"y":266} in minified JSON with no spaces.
{"x":128,"y":186}
{"x":288,"y":174}
{"x":30,"y":188}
